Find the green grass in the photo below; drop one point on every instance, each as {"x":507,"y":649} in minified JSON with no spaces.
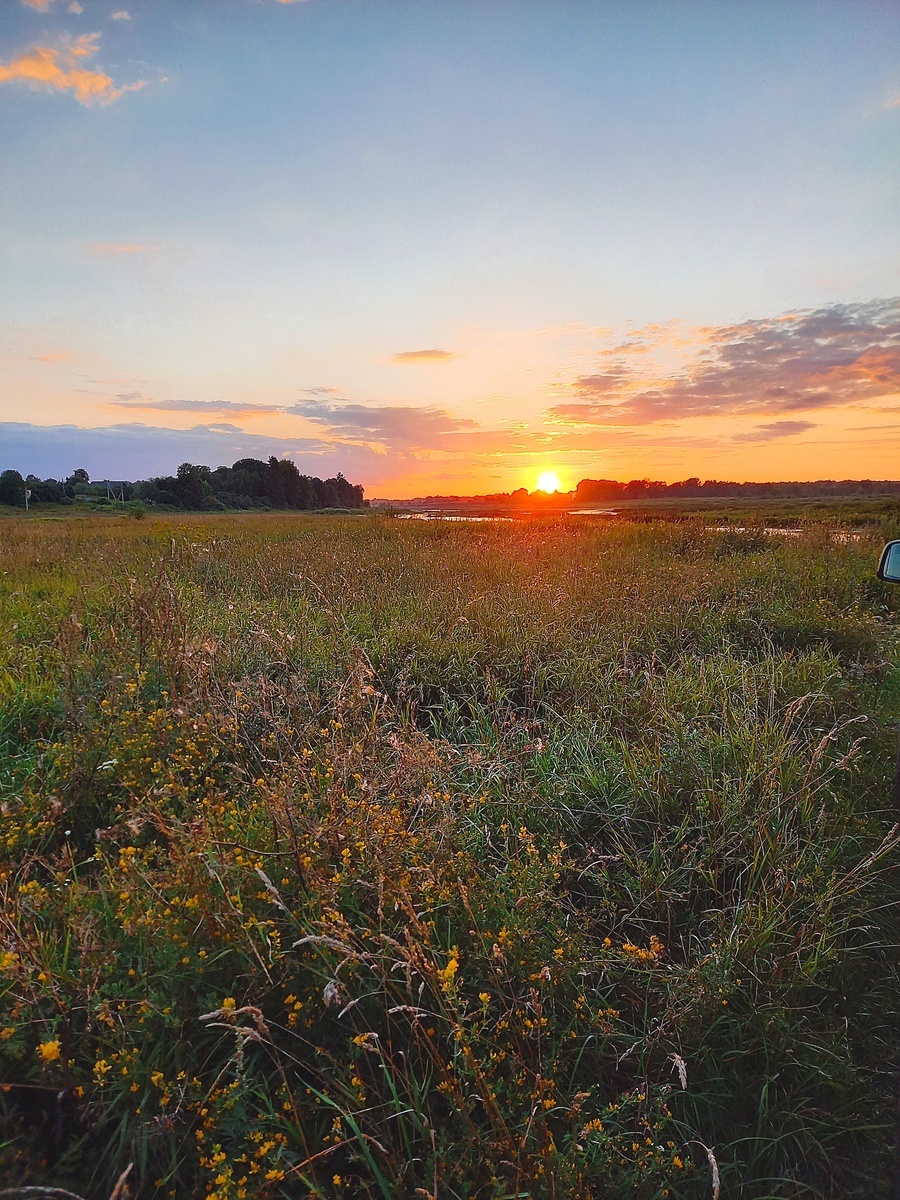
{"x":367,"y":858}
{"x":880,"y":513}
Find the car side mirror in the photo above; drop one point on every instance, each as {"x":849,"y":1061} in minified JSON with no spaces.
{"x":889,"y":567}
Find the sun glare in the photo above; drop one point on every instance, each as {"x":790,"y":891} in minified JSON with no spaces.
{"x":548,"y":481}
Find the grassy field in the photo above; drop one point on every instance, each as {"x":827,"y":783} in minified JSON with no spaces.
{"x":871,"y":513}
{"x":373,"y":858}
{"x":851,"y":512}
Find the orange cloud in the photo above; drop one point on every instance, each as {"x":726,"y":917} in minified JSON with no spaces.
{"x":58,"y":69}
{"x":414,"y":356}
{"x":54,"y":356}
{"x":45,"y":5}
{"x":111,"y":249}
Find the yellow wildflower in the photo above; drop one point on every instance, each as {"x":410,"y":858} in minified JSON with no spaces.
{"x":448,"y":973}
{"x":49,"y":1051}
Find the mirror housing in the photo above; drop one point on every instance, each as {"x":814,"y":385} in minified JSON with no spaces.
{"x":889,"y":567}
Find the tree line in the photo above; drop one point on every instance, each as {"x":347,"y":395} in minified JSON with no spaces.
{"x":248,"y":483}
{"x":602,"y":491}
{"x":611,"y":491}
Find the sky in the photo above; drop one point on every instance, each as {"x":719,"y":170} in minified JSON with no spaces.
{"x":444,"y":246}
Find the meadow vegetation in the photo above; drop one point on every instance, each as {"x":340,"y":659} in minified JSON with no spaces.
{"x":355,"y":857}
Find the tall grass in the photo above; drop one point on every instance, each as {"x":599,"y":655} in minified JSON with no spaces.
{"x":371,"y":858}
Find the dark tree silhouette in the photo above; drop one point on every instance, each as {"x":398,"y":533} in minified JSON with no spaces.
{"x":12,"y":489}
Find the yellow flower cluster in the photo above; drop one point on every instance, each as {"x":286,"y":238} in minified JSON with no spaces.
{"x":645,"y":954}
{"x":49,"y":1051}
{"x":447,"y":974}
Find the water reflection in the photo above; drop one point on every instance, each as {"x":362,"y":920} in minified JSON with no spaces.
{"x":424,"y":516}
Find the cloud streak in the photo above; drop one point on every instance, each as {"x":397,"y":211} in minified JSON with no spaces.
{"x":775,"y":429}
{"x":61,"y":69}
{"x":389,"y":424}
{"x":837,"y":355}
{"x":114,"y":249}
{"x":423,"y":356}
{"x":137,"y":400}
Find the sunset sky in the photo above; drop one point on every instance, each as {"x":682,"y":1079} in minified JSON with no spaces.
{"x":447,"y":245}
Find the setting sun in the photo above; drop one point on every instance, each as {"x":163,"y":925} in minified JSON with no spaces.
{"x":548,"y":481}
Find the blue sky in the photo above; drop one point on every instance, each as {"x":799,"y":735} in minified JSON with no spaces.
{"x":249,"y":221}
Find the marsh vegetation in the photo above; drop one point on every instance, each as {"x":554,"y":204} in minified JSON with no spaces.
{"x":367,"y":858}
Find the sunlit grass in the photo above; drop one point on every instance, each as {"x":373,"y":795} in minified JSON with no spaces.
{"x":372,"y":858}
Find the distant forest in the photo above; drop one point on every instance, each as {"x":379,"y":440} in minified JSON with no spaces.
{"x":600,"y":491}
{"x":249,"y":483}
{"x":611,"y":491}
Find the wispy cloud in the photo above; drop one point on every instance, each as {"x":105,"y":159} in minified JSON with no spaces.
{"x":138,"y":400}
{"x":607,"y":383}
{"x":76,"y":8}
{"x":775,"y":429}
{"x":112,"y":249}
{"x":421,"y":356}
{"x":121,"y":15}
{"x":38,"y":5}
{"x":53,"y":356}
{"x":393,"y":425}
{"x":836,"y":355}
{"x":60,"y":68}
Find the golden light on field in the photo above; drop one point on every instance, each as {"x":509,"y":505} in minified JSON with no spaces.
{"x":548,"y":481}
